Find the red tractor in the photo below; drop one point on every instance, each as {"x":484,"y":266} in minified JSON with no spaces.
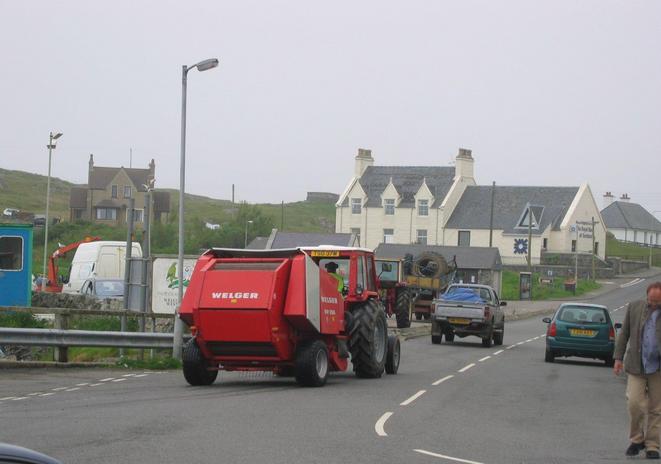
{"x":299,"y":312}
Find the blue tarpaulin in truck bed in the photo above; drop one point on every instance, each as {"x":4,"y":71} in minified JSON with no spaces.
{"x":467,"y":295}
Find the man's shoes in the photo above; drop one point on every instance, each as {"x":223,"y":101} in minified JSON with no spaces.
{"x":652,"y":454}
{"x":635,"y":448}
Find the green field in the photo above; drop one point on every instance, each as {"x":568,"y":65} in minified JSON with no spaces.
{"x":510,"y":290}
{"x":631,"y":251}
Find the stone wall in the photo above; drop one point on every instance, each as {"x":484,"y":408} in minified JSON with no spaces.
{"x":625,"y":266}
{"x":74,"y":301}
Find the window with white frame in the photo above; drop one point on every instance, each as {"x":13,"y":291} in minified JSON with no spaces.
{"x":421,"y":237}
{"x":356,"y":205}
{"x":106,"y":214}
{"x":127,"y":191}
{"x":389,"y":206}
{"x":388,"y":235}
{"x":423,"y":207}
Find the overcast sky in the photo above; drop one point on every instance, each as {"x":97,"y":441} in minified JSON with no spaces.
{"x":543,"y":92}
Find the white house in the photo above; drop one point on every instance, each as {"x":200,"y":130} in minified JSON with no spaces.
{"x":630,"y":222}
{"x":443,"y":206}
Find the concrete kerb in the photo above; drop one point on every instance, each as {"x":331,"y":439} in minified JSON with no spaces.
{"x":43,"y":364}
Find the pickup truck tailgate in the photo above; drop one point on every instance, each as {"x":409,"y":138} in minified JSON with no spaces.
{"x":459,"y":310}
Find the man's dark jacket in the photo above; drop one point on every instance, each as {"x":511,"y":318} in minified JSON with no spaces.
{"x":632,"y":332}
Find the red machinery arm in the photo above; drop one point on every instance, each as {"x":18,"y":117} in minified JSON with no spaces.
{"x":53,"y":269}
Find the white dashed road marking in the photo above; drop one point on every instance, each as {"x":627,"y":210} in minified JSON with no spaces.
{"x":465,"y":368}
{"x":72,"y":389}
{"x":484,"y":359}
{"x":59,"y":389}
{"x":82,"y":384}
{"x":7,"y":398}
{"x":119,"y":380}
{"x":95,"y":384}
{"x":440,"y":381}
{"x":106,"y":380}
{"x":413,"y":398}
{"x":442,"y":456}
{"x":498,"y":352}
{"x":19,"y":398}
{"x":35,"y":393}
{"x":141,"y":375}
{"x":378,"y":427}
{"x":46,"y":394}
{"x":510,"y":347}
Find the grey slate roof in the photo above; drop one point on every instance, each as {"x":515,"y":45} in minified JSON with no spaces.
{"x":301,"y":239}
{"x":101,"y":176}
{"x":407,"y":180}
{"x":625,"y":215}
{"x":473,"y":210}
{"x":467,"y":257}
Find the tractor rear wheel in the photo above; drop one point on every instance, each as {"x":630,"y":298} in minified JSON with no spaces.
{"x":392,"y":361}
{"x":403,"y":308}
{"x":368,"y":340}
{"x":311,"y":368}
{"x":196,"y":368}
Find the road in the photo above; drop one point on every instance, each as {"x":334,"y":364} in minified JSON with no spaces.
{"x":450,"y":403}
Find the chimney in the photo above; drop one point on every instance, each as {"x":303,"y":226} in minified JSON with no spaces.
{"x":625,"y":197}
{"x":90,"y":169}
{"x":609,"y":198}
{"x":464,"y":164}
{"x":363,"y":161}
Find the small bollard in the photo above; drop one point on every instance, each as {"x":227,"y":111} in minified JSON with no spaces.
{"x":61,"y":353}
{"x":122,"y":327}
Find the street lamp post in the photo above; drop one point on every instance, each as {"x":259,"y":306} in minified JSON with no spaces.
{"x":245,"y":240}
{"x":178,"y":324}
{"x":51,"y":146}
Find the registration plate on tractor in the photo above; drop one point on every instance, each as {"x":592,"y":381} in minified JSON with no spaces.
{"x":582,"y":333}
{"x":459,"y":320}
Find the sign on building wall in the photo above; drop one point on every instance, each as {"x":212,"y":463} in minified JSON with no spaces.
{"x":165,"y":283}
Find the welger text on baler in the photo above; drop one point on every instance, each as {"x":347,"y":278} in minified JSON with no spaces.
{"x":234,"y":295}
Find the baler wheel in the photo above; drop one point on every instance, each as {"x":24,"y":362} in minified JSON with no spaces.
{"x":312,"y":364}
{"x":368,"y":340}
{"x":403,"y":308}
{"x":392,"y":361}
{"x":195,"y":366}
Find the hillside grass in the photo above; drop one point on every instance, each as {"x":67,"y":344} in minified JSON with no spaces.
{"x":510,"y":289}
{"x":625,"y":250}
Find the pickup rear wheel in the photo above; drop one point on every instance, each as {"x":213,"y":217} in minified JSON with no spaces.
{"x":498,"y":337}
{"x":196,"y":368}
{"x":312,"y":364}
{"x":486,"y":341}
{"x":368,"y":342}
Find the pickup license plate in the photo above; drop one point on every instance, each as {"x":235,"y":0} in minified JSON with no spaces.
{"x":459,"y":320}
{"x":582,"y":333}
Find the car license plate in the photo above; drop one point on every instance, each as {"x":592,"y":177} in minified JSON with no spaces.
{"x":582,"y":333}
{"x":459,"y":320}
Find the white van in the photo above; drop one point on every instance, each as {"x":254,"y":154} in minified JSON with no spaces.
{"x":98,"y":259}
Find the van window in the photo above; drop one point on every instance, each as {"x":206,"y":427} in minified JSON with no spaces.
{"x":11,"y":253}
{"x":84,"y":270}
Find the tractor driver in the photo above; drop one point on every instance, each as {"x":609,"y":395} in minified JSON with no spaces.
{"x":331,"y":268}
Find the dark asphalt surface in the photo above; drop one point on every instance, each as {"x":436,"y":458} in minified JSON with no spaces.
{"x":509,"y":408}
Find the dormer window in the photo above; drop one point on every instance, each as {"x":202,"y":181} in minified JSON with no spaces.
{"x":423,"y":207}
{"x":525,"y":220}
{"x":356,"y":205}
{"x":389,"y":207}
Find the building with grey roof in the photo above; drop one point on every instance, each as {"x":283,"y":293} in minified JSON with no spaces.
{"x":630,"y":222}
{"x":443,"y":205}
{"x":105,"y":198}
{"x":279,"y":239}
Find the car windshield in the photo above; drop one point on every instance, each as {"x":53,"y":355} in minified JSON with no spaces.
{"x":583,"y":315}
{"x":109,"y":287}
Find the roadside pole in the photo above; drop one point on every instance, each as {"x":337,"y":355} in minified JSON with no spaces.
{"x":127,"y":264}
{"x":576,"y":260}
{"x":530,"y":240}
{"x":493,"y":194}
{"x":594,"y":270}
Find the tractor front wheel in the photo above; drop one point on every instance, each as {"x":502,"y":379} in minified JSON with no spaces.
{"x":312,"y":364}
{"x":196,"y":368}
{"x":403,"y":308}
{"x":368,"y":340}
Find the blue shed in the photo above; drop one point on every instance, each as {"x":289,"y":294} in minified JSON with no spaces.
{"x":15,"y":264}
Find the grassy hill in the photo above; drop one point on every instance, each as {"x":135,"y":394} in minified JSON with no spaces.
{"x":631,"y":251}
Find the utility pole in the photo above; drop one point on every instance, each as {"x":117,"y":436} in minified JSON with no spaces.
{"x":51,"y":146}
{"x":594,"y":270}
{"x":576,"y":260}
{"x":127,"y":264}
{"x":282,"y":219}
{"x":493,"y":193}
{"x":529,"y":239}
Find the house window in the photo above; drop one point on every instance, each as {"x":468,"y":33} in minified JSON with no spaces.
{"x":127,"y":191}
{"x":11,"y":253}
{"x":356,"y":205}
{"x":423,"y":207}
{"x":113,"y":191}
{"x":388,"y":235}
{"x":421,"y":237}
{"x":138,"y":215}
{"x":356,"y":232}
{"x":596,"y":248}
{"x":389,"y":206}
{"x":545,"y":243}
{"x":464,"y":238}
{"x":573,"y":246}
{"x":78,"y":213}
{"x":106,"y":214}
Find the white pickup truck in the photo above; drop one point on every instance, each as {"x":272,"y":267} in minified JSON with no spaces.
{"x":468,"y":309}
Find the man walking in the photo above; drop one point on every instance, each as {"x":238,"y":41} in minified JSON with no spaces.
{"x":641,"y":330}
